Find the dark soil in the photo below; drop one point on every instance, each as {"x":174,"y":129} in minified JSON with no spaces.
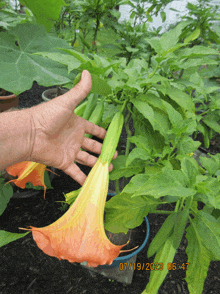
{"x":24,"y":268}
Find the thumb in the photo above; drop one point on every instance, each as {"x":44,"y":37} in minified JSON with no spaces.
{"x":78,"y":93}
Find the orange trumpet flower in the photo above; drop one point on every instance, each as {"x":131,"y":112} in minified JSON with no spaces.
{"x":28,"y":171}
{"x":79,"y":234}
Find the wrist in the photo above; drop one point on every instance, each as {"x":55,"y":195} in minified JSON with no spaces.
{"x":16,"y":137}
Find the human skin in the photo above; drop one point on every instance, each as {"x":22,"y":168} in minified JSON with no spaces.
{"x":50,"y":133}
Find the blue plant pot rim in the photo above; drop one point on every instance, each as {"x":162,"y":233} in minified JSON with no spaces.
{"x":127,"y":257}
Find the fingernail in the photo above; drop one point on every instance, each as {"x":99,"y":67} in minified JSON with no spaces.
{"x":83,"y":75}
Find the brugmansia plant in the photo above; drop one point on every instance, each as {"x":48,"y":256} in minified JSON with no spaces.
{"x":79,"y":234}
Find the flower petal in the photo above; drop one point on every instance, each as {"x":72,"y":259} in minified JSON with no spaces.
{"x":28,"y":171}
{"x":79,"y":234}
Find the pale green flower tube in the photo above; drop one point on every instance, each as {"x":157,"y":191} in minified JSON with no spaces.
{"x":112,"y":137}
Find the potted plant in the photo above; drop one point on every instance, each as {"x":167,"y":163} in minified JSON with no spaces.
{"x":7,"y":101}
{"x":159,"y":167}
{"x":49,"y":94}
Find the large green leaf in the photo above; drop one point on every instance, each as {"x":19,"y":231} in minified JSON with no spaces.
{"x":189,"y":168}
{"x":170,"y":38}
{"x":137,"y":153}
{"x":145,"y":109}
{"x":123,"y":212}
{"x":196,"y":51}
{"x":195,"y":62}
{"x":179,"y":228}
{"x":7,"y":237}
{"x":181,"y":98}
{"x":161,"y":184}
{"x":211,"y":121}
{"x":68,"y":60}
{"x":19,"y":67}
{"x":45,"y":11}
{"x":203,"y":235}
{"x":212,"y":165}
{"x":174,"y":116}
{"x":209,"y":192}
{"x":121,"y":170}
{"x":6,"y":192}
{"x":194,"y":35}
{"x":155,"y":44}
{"x":162,"y":235}
{"x":158,"y":119}
{"x":164,"y":256}
{"x":187,"y":145}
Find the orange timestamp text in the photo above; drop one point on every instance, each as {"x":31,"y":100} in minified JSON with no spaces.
{"x":152,"y":266}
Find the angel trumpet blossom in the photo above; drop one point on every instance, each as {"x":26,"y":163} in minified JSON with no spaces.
{"x":28,"y":171}
{"x":79,"y":235}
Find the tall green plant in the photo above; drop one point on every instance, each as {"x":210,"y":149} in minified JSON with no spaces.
{"x":161,"y":163}
{"x":200,"y":18}
{"x":96,"y":10}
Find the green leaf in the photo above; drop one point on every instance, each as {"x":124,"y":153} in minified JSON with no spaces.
{"x":209,"y":192}
{"x":123,"y":212}
{"x":100,"y":86}
{"x":195,"y":62}
{"x":162,"y":184}
{"x":171,"y":38}
{"x":196,"y":51}
{"x":109,"y":112}
{"x":210,"y":227}
{"x":137,"y":153}
{"x":194,"y":35}
{"x":164,"y":256}
{"x":190,"y":169}
{"x":145,"y":109}
{"x":143,"y":129}
{"x":163,"y":16}
{"x":155,"y":44}
{"x":211,"y":121}
{"x":121,"y":170}
{"x":68,"y":60}
{"x":149,"y":18}
{"x":179,"y":228}
{"x":174,"y":116}
{"x":210,"y":164}
{"x":157,"y":118}
{"x":6,"y":192}
{"x":81,"y":57}
{"x":18,"y":62}
{"x":198,"y":249}
{"x":130,"y":49}
{"x":178,"y":96}
{"x":162,"y":235}
{"x":45,"y":11}
{"x":7,"y":237}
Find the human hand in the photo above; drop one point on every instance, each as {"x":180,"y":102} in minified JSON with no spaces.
{"x":58,"y":134}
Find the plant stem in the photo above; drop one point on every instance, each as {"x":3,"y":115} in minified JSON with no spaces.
{"x":181,"y":204}
{"x":128,"y":143}
{"x":117,"y":189}
{"x":124,"y":105}
{"x":177,"y":206}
